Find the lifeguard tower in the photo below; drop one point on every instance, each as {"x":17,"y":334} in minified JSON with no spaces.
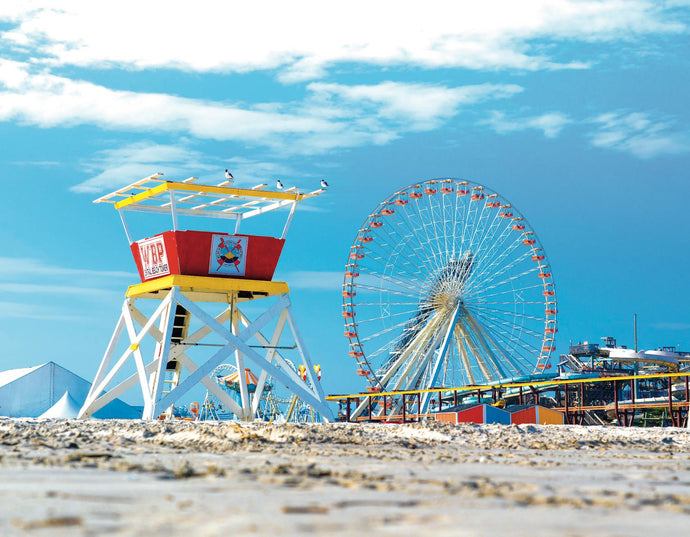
{"x":183,"y":274}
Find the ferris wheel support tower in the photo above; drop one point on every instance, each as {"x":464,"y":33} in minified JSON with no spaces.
{"x":186,"y":272}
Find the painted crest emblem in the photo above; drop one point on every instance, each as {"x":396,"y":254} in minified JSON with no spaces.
{"x":228,"y":255}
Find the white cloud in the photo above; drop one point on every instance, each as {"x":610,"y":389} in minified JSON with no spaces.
{"x":303,"y":38}
{"x":550,"y":124}
{"x":114,"y":168}
{"x":48,"y":100}
{"x":313,"y":280}
{"x":24,"y":266}
{"x":18,"y":310}
{"x":331,"y":116}
{"x":422,"y":106}
{"x":118,"y":167}
{"x":41,"y":289}
{"x":636,"y":133}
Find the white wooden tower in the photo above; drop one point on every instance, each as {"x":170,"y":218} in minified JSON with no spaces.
{"x":197,"y":283}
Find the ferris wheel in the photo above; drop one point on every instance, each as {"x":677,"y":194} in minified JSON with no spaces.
{"x":447,"y":285}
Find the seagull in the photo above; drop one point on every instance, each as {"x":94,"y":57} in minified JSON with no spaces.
{"x":324,"y":184}
{"x":279,"y":185}
{"x":228,"y":175}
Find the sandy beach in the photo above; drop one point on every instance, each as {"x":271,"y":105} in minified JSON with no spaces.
{"x":73,"y":478}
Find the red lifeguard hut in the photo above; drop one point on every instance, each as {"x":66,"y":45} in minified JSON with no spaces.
{"x":185,"y":272}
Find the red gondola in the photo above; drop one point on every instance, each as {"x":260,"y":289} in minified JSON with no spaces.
{"x":460,"y":192}
{"x":529,"y":242}
{"x":387,"y":212}
{"x":430,"y":191}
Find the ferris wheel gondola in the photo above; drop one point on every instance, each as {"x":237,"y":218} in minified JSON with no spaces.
{"x":447,"y":285}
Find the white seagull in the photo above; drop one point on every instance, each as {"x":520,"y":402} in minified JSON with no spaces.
{"x":324,"y":184}
{"x":279,"y":185}
{"x":228,"y":175}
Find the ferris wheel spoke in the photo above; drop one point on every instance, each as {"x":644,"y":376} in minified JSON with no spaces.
{"x":490,"y":271}
{"x":414,"y":247}
{"x":433,"y":223}
{"x":490,"y":231}
{"x":359,"y":304}
{"x":410,"y":353}
{"x":507,"y":331}
{"x":512,"y":291}
{"x":382,"y":317}
{"x":423,"y":221}
{"x":387,"y":291}
{"x":400,"y":246}
{"x":413,"y":274}
{"x":514,"y":302}
{"x":513,"y":341}
{"x":488,"y":285}
{"x":517,"y":365}
{"x":385,"y":331}
{"x":398,"y":284}
{"x":487,"y":257}
{"x":417,"y":245}
{"x":514,"y":314}
{"x":487,"y":344}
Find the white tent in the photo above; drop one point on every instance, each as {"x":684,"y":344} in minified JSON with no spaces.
{"x":32,"y":391}
{"x":66,"y":407}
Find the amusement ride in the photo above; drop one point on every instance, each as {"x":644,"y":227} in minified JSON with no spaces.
{"x":447,"y":284}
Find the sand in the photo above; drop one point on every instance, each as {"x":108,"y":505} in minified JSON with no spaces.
{"x":74,"y":478}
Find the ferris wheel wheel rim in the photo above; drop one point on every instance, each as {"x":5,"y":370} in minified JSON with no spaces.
{"x":550,"y":320}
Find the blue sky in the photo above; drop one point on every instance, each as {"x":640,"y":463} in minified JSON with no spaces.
{"x":576,"y":112}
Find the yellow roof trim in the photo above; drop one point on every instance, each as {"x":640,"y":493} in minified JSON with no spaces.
{"x":141,"y":196}
{"x":209,"y":189}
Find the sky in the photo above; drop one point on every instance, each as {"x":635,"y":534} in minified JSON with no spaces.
{"x":575,"y":111}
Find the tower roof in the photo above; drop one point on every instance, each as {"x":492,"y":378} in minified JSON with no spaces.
{"x":155,"y":195}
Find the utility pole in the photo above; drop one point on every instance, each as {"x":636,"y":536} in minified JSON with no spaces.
{"x":635,"y":323}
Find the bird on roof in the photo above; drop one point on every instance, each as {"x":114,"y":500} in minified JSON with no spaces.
{"x":324,"y":184}
{"x":279,"y":185}
{"x":228,"y":175}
